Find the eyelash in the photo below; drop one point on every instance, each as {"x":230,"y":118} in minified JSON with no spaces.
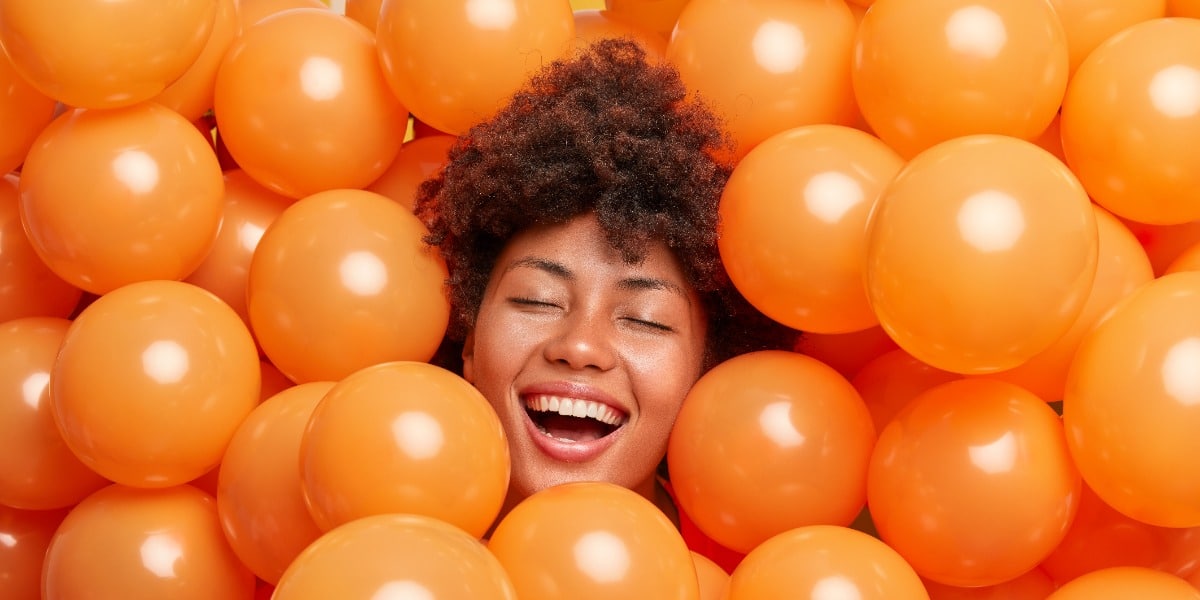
{"x":536,"y":303}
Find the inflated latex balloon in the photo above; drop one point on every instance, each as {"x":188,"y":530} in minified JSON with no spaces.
{"x":1132,"y":453}
{"x":101,"y":54}
{"x":497,"y":45}
{"x":24,"y":112}
{"x":766,"y":442}
{"x":592,"y":25}
{"x":767,"y":66}
{"x":405,"y":437}
{"x":1130,"y":118}
{"x":28,"y":288}
{"x":972,"y":483}
{"x":327,"y":120}
{"x":1119,"y":583}
{"x":1164,"y":243}
{"x":1183,"y":8}
{"x":659,"y":16}
{"x":395,"y":556}
{"x":847,"y":353}
{"x":26,"y":535}
{"x":888,"y":383}
{"x":365,"y":12}
{"x":593,"y":540}
{"x":259,"y":497}
{"x":192,"y":94}
{"x":794,"y":221}
{"x":1051,"y":139}
{"x":714,"y":581}
{"x":1034,"y":585}
{"x":111,"y":197}
{"x":981,"y":253}
{"x":418,"y":159}
{"x":151,"y":381}
{"x":341,"y":281}
{"x":823,"y":561}
{"x":1088,"y":23}
{"x":124,"y":542}
{"x":926,"y":71}
{"x":251,"y":12}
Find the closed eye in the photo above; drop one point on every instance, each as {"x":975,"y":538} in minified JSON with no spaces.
{"x":531,"y":302}
{"x":652,"y":325}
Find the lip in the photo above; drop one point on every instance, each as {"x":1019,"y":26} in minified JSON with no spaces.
{"x":572,"y":452}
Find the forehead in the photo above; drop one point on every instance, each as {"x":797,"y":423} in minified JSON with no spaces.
{"x":582,"y":242}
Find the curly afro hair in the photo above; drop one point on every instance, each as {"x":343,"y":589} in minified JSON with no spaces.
{"x":603,"y":132}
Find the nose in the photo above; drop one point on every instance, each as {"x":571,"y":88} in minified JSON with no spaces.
{"x":584,"y":340}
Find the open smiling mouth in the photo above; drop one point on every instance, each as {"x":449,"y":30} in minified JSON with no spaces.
{"x":573,"y":420}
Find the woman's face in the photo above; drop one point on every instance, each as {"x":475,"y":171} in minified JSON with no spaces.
{"x":586,"y":358}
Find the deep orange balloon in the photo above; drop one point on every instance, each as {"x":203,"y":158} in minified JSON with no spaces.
{"x":980,"y":253}
{"x":151,"y":382}
{"x":593,"y":540}
{"x":1164,"y":243}
{"x":847,"y":353}
{"x":418,"y":160}
{"x":1119,"y":583}
{"x":327,"y":120}
{"x":714,"y":581}
{"x":766,"y":442}
{"x":28,"y":288}
{"x":24,"y":112}
{"x":972,"y":483}
{"x":110,"y":197}
{"x":251,"y":12}
{"x":1183,"y":8}
{"x":365,"y":12}
{"x":124,"y":542}
{"x":823,"y":561}
{"x":926,"y":71}
{"x":1132,"y":454}
{"x":1130,"y":117}
{"x":1122,"y":267}
{"x":592,"y":25}
{"x":395,"y":556}
{"x":37,"y":470}
{"x":26,"y":535}
{"x":497,"y":45}
{"x":259,"y":497}
{"x":1189,"y":260}
{"x":794,"y":222}
{"x":273,"y":381}
{"x":888,"y":383}
{"x":659,"y":16}
{"x":342,"y":280}
{"x":767,"y":66}
{"x":1034,"y":585}
{"x":414,"y":424}
{"x":192,"y":94}
{"x":97,"y":54}
{"x":1088,"y":23}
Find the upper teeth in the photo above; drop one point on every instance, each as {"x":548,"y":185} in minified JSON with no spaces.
{"x":576,"y":407}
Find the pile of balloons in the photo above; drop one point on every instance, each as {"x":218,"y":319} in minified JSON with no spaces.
{"x":217,"y":312}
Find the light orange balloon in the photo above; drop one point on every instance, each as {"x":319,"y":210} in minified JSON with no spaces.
{"x":794,"y":223}
{"x":111,"y":197}
{"x":1183,"y":8}
{"x":972,"y":483}
{"x":28,"y":288}
{"x":766,"y":442}
{"x":659,"y":16}
{"x":1088,"y":23}
{"x":418,"y":160}
{"x":981,"y":253}
{"x":767,"y":66}
{"x":1033,"y":585}
{"x":341,"y":281}
{"x":259,"y":496}
{"x":192,"y":94}
{"x":1132,"y":453}
{"x":26,"y":535}
{"x":124,"y":542}
{"x":1130,"y":118}
{"x":326,"y":121}
{"x":926,"y":71}
{"x":592,"y":25}
{"x":714,"y":581}
{"x":421,"y":427}
{"x":593,"y":540}
{"x":151,"y":381}
{"x":96,"y":54}
{"x":365,"y":12}
{"x":251,"y":12}
{"x":847,"y":353}
{"x":24,"y":112}
{"x":497,"y":46}
{"x":1118,"y":583}
{"x":823,"y":561}
{"x":888,"y":383}
{"x":395,"y":556}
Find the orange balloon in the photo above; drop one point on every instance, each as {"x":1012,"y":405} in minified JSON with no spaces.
{"x":341,"y":281}
{"x":980,"y":253}
{"x":412,"y":423}
{"x":1164,"y":243}
{"x":497,"y":45}
{"x":26,"y":535}
{"x":1051,"y":139}
{"x":28,"y":288}
{"x":767,"y":66}
{"x":1088,"y":23}
{"x":395,"y":556}
{"x":1132,"y":453}
{"x":1034,"y":585}
{"x":124,"y":542}
{"x":586,"y":540}
{"x":1183,"y":8}
{"x":824,"y":561}
{"x":273,"y":381}
{"x":418,"y":160}
{"x":250,"y":12}
{"x":110,"y":197}
{"x":1122,"y":268}
{"x":327,"y":120}
{"x":151,"y":381}
{"x":1130,"y":118}
{"x":793,"y":225}
{"x":592,"y":25}
{"x":192,"y":94}
{"x":365,"y":12}
{"x":926,"y":71}
{"x":1119,"y":583}
{"x":659,"y":16}
{"x":888,"y":383}
{"x":714,"y":581}
{"x":24,"y":113}
{"x":248,"y":210}
{"x":37,"y":470}
{"x":1189,"y":260}
{"x":259,"y":496}
{"x":847,"y":353}
{"x":972,"y":483}
{"x":100,"y":54}
{"x":766,"y":442}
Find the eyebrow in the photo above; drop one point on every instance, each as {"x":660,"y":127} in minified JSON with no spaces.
{"x":561,"y":271}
